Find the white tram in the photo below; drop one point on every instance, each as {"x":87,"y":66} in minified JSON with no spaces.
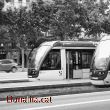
{"x":59,"y":60}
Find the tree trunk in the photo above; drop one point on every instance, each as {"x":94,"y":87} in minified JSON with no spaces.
{"x":22,"y":59}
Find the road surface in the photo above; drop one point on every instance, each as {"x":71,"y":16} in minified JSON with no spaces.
{"x":85,"y":101}
{"x":4,"y":76}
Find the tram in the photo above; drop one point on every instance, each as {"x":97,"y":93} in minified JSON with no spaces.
{"x":100,"y":64}
{"x":59,"y":60}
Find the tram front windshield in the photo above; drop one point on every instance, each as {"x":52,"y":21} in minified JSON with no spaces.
{"x":36,"y":56}
{"x":102,"y":55}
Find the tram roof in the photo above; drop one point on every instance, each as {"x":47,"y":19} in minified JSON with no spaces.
{"x":106,"y":37}
{"x":70,"y":43}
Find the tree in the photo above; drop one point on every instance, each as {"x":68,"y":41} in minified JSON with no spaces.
{"x":26,"y":27}
{"x":21,"y":29}
{"x":95,"y":17}
{"x":67,"y":22}
{"x":42,"y":15}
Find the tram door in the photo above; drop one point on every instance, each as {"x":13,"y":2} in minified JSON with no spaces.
{"x":73,"y":64}
{"x":51,"y":68}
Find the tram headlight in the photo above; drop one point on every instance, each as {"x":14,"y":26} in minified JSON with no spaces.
{"x":101,"y":72}
{"x":90,"y":73}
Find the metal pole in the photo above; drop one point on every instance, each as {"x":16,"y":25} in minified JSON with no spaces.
{"x":68,"y":65}
{"x":22,"y":59}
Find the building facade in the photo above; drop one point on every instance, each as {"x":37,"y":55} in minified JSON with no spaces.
{"x":16,"y":4}
{"x":19,"y":3}
{"x":9,"y":50}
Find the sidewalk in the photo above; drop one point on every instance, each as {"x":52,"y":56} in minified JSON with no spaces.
{"x":6,"y":87}
{"x":13,"y":77}
{"x":19,"y":81}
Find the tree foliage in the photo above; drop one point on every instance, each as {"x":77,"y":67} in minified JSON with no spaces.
{"x":67,"y":22}
{"x":96,"y":17}
{"x":25,"y":27}
{"x":63,"y":19}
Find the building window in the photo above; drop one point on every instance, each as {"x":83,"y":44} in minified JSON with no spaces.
{"x":86,"y":59}
{"x":27,"y":0}
{"x":8,"y":1}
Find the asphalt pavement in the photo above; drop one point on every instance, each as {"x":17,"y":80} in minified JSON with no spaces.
{"x":11,"y":77}
{"x":85,"y":101}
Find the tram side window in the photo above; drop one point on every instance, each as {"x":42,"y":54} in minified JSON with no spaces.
{"x":52,"y":61}
{"x":109,"y":67}
{"x":86,"y":59}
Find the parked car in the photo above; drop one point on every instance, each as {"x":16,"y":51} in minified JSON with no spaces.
{"x":8,"y":65}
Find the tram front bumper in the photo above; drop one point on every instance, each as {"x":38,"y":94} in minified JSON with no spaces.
{"x":32,"y":73}
{"x":97,"y":82}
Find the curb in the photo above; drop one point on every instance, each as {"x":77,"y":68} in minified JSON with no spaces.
{"x":44,"y":87}
{"x":14,"y":81}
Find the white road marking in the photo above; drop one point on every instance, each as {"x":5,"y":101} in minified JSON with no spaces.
{"x":63,"y":105}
